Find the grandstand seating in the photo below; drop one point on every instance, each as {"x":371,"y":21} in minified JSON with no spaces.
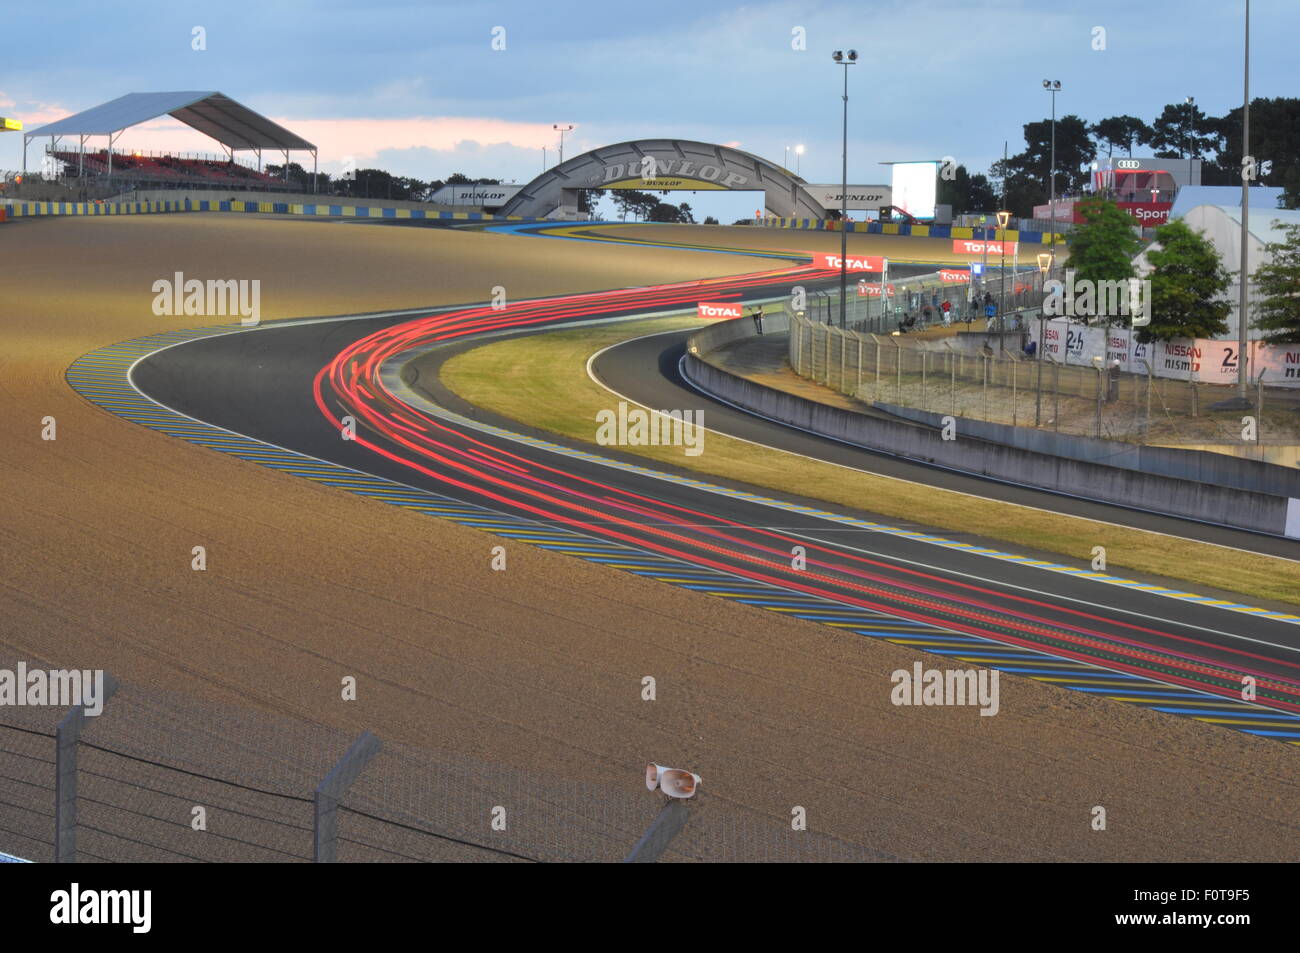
{"x":170,"y":170}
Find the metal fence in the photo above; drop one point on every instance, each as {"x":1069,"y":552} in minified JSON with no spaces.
{"x":916,"y":302}
{"x":1016,"y":389}
{"x":169,"y":777}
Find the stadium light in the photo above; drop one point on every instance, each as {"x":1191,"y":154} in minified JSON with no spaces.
{"x":798,"y":154}
{"x":563,"y":130}
{"x":846,"y":60}
{"x":1244,"y":273}
{"x":1053,"y":86}
{"x":672,"y":781}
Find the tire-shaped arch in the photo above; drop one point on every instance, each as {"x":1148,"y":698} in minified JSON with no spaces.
{"x":678,"y":165}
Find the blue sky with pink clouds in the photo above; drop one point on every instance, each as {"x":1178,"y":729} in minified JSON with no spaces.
{"x":417,"y":88}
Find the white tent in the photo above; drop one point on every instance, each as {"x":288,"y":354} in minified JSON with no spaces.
{"x":1221,"y":224}
{"x":1264,"y":198}
{"x":232,"y":124}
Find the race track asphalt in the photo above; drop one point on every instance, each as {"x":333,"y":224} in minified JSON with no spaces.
{"x":260,"y":384}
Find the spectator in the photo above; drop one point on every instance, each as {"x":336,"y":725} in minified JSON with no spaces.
{"x":926,"y":314}
{"x":947,"y":312}
{"x":990,"y":312}
{"x":758,"y":319}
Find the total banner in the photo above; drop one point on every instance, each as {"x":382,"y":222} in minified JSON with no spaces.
{"x":1200,"y":359}
{"x":829,"y":262}
{"x":968,"y":246}
{"x":951,"y":276}
{"x":872,"y":290}
{"x":715,"y":310}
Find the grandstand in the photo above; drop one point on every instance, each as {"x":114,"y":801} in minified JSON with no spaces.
{"x":234,"y":126}
{"x":156,"y":171}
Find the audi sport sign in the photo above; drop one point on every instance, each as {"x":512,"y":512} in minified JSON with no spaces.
{"x":717,"y":310}
{"x":854,"y":262}
{"x":1149,"y":214}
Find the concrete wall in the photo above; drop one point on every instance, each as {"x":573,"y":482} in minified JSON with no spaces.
{"x":1261,"y":512}
{"x":1195,"y":465}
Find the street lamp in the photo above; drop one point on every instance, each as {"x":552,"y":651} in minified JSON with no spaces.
{"x":1245,"y":224}
{"x":1053,"y":86}
{"x":1187,"y":134}
{"x":798,"y":154}
{"x":1044,"y":267}
{"x":563,"y":130}
{"x":845,"y":59}
{"x":1003,"y":219}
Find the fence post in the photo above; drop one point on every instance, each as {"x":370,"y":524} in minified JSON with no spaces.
{"x":66,"y":737}
{"x":844,"y":346}
{"x":986,"y":386}
{"x":1015,"y":384}
{"x":330,"y":791}
{"x":1146,"y":421}
{"x":858,"y":389}
{"x":875,"y":388}
{"x":924,"y":402}
{"x":1097,"y":427}
{"x":1056,"y":397}
{"x":952,"y":382}
{"x":828,"y":355}
{"x":666,"y":825}
{"x":1259,"y":410}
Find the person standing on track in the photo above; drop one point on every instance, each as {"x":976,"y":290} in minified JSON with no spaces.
{"x":758,"y":319}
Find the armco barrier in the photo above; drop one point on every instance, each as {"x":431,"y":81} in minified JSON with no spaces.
{"x":31,"y":209}
{"x":1259,"y":512}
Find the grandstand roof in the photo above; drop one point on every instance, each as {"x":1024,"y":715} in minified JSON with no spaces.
{"x":211,"y":113}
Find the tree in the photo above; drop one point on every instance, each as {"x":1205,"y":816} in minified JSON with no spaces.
{"x":967,"y":193}
{"x":1121,"y":132}
{"x":1187,"y":284}
{"x":1182,"y":130}
{"x":1274,"y":139}
{"x":1278,"y":285}
{"x":1019,"y":191}
{"x":1103,"y":245}
{"x":1074,"y":150}
{"x":664,"y":212}
{"x":640,"y":204}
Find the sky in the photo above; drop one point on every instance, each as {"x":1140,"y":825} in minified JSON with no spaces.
{"x":419,"y":89}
